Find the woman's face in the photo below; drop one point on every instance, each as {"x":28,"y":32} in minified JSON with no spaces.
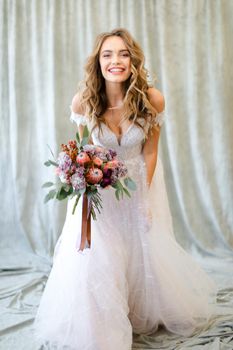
{"x":114,"y":59}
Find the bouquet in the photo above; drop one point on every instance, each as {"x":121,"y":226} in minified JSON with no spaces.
{"x":81,"y":170}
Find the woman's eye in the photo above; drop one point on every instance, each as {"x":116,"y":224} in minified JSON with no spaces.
{"x":126,"y":54}
{"x":106,"y":55}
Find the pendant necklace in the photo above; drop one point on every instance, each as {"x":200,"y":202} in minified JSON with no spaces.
{"x":119,"y":134}
{"x":112,"y":114}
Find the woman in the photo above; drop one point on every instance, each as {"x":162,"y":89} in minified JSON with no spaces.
{"x":135,"y":275}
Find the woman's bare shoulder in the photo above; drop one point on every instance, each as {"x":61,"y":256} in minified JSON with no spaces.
{"x":76,"y":104}
{"x":156,"y":98}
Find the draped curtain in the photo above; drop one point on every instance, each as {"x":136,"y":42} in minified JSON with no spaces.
{"x":44,"y":45}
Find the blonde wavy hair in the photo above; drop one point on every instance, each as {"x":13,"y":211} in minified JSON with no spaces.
{"x":93,"y":99}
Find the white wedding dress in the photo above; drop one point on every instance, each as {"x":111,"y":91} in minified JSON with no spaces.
{"x":134,"y":277}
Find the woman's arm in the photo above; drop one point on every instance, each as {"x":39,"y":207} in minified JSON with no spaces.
{"x":150,"y":148}
{"x":76,"y":108}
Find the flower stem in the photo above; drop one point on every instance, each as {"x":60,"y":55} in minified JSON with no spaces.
{"x":76,"y":203}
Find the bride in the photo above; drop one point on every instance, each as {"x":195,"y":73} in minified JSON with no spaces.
{"x":134,"y":276}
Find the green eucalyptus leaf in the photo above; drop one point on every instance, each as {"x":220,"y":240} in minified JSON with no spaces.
{"x":77,"y":137}
{"x":86,"y":132}
{"x":126,"y":192}
{"x":120,"y":186}
{"x":114,"y":186}
{"x":67,"y":188}
{"x":47,"y":163}
{"x":47,"y":184}
{"x":50,"y":162}
{"x":53,"y":163}
{"x":84,"y":141}
{"x":117,"y":185}
{"x":130,"y":184}
{"x":62,"y":194}
{"x":50,"y":195}
{"x":117,"y":193}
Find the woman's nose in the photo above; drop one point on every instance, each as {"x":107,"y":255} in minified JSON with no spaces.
{"x":115,"y":60}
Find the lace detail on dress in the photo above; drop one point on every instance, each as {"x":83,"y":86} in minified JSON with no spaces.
{"x":159,"y":119}
{"x":79,"y":119}
{"x":131,"y":142}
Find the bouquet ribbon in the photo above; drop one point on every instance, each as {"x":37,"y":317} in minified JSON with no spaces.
{"x":86,"y":223}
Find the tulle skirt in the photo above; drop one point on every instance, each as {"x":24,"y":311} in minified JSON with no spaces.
{"x":134,"y":276}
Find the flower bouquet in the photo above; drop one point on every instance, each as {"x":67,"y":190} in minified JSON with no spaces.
{"x":82,"y":169}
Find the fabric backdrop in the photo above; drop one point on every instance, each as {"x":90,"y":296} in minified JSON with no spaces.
{"x":43,"y":48}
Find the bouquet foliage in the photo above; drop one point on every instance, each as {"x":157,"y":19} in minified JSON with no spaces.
{"x":82,"y":169}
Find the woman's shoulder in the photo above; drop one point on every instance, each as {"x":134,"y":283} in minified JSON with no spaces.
{"x":156,"y":99}
{"x":77,"y":111}
{"x":76,"y":105}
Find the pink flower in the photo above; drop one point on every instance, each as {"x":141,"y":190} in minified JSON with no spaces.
{"x":82,"y":158}
{"x":98,"y":149}
{"x":64,"y":177}
{"x":97,"y":161}
{"x":78,"y":181}
{"x":58,"y":171}
{"x":64,"y":161}
{"x":111,"y":165}
{"x":94,"y":175}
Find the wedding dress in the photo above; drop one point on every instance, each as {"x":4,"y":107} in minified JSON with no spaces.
{"x":134,"y":276}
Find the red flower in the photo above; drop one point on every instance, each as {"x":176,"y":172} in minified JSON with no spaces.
{"x":111,"y":165}
{"x":97,"y":161}
{"x":82,"y":158}
{"x":94,"y":175}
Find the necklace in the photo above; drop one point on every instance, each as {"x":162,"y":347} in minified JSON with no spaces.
{"x":116,"y":128}
{"x":116,"y":107}
{"x":112,"y":117}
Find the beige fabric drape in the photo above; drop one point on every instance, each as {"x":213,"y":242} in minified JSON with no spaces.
{"x":44,"y":44}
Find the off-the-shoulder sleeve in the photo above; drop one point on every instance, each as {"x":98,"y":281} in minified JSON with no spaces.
{"x":159,"y":119}
{"x":79,"y":119}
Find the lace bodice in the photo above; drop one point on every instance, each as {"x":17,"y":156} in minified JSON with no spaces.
{"x":131,"y":142}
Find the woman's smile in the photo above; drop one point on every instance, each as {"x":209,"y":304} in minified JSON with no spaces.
{"x":116,"y":70}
